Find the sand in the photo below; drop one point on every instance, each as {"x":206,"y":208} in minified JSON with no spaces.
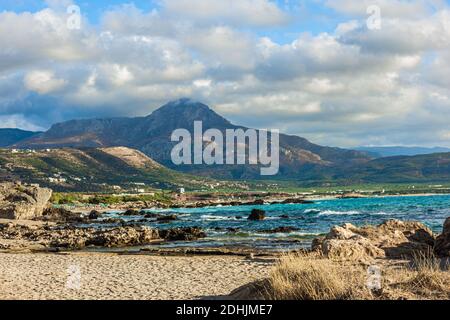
{"x":107,"y":276}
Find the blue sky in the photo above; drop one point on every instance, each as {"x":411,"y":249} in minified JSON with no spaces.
{"x":315,"y":68}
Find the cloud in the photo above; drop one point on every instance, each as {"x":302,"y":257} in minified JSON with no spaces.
{"x":260,"y":13}
{"x":345,"y":87}
{"x":43,"y":81}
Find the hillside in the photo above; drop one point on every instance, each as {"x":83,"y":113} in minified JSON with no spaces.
{"x":151,"y":135}
{"x":93,"y":169}
{"x":11,"y":136}
{"x":380,"y":152}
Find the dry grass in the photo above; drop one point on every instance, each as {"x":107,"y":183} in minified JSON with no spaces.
{"x":313,"y":277}
{"x":300,"y":277}
{"x":425,"y":277}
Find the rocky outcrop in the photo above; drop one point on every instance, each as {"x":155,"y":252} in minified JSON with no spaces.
{"x":297,"y":201}
{"x":167,"y":218}
{"x":393,"y":239}
{"x":257,"y":215}
{"x":182,"y":234}
{"x":22,"y":202}
{"x":60,"y":215}
{"x":71,"y":237}
{"x":280,"y":230}
{"x":442,"y":244}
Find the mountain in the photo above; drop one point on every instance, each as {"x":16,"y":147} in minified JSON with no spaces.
{"x":151,"y":135}
{"x":12,"y":136}
{"x":401,"y":169}
{"x":92,"y":169}
{"x":380,"y":152}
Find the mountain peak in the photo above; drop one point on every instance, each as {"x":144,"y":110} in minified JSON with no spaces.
{"x":183,"y":112}
{"x":184,"y":103}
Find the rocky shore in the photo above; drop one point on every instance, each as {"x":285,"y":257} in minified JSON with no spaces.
{"x":344,"y":253}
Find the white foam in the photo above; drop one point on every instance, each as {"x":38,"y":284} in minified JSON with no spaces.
{"x":332,"y":212}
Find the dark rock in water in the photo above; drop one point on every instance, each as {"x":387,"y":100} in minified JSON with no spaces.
{"x":131,"y":212}
{"x":239,"y":217}
{"x":298,"y":201}
{"x":442,"y":244}
{"x":111,"y":221}
{"x":281,"y":230}
{"x":182,"y":234}
{"x":152,"y":215}
{"x":257,"y":215}
{"x":168,"y":218}
{"x":94,"y":215}
{"x":122,"y":237}
{"x":284,"y":216}
{"x":230,"y":230}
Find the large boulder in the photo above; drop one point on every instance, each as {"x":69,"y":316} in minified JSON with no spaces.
{"x":60,"y":215}
{"x":442,"y":244}
{"x":123,"y":237}
{"x":182,"y":234}
{"x":393,"y":239}
{"x":22,"y":202}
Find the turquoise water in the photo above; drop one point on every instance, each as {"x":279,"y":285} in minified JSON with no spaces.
{"x":310,"y":219}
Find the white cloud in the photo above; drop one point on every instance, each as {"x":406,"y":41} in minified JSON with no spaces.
{"x":236,"y":12}
{"x":43,"y":81}
{"x":346,"y":87}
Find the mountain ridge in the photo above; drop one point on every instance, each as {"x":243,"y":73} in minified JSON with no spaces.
{"x":10,"y":136}
{"x":151,"y":135}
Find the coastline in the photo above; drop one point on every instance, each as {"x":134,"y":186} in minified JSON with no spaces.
{"x":88,"y":208}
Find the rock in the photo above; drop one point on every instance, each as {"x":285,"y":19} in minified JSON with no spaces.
{"x":168,"y":218}
{"x":352,"y":195}
{"x":60,"y":215}
{"x":360,"y":249}
{"x":396,"y":239}
{"x":94,"y":215}
{"x":131,"y":212}
{"x":73,"y":238}
{"x":22,"y":202}
{"x":297,"y":201}
{"x":182,"y":234}
{"x":343,"y":233}
{"x":257,"y":215}
{"x":281,"y":230}
{"x":284,"y":216}
{"x":316,"y":244}
{"x":152,"y":215}
{"x":442,"y":244}
{"x":258,"y":202}
{"x":123,"y":237}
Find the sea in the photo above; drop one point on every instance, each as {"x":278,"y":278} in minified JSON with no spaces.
{"x":230,"y":227}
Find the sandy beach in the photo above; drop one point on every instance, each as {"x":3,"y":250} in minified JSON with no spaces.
{"x":104,"y":276}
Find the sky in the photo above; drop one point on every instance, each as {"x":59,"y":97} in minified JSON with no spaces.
{"x":338,"y":72}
